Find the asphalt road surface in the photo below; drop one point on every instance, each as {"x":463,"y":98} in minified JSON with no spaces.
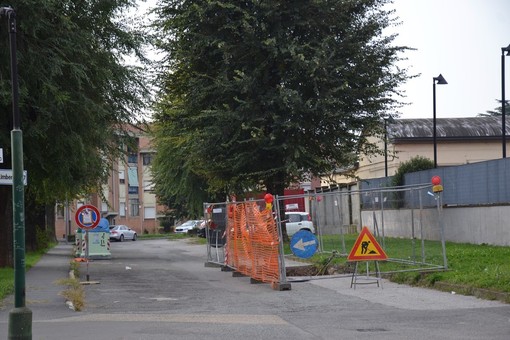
{"x":161,"y":289}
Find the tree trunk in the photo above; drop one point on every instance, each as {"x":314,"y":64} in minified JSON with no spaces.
{"x":50,"y":222}
{"x":35,"y":222}
{"x":276,"y":186}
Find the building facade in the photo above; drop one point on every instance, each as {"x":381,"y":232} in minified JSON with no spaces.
{"x":458,"y":141}
{"x":127,"y":198}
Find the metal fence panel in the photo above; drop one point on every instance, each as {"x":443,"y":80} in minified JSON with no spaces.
{"x":482,"y":183}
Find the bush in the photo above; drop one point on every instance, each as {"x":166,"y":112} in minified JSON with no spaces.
{"x":42,"y":238}
{"x":417,"y":163}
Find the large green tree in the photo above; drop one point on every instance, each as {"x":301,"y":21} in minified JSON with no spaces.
{"x":76,"y":95}
{"x":270,"y":92}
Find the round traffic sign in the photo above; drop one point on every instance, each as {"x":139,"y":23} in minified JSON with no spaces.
{"x":87,"y":217}
{"x":303,"y":244}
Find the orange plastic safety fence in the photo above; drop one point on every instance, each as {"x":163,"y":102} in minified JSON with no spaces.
{"x":252,"y":241}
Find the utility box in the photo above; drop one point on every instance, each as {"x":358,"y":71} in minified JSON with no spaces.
{"x":78,"y":240}
{"x":98,"y":244}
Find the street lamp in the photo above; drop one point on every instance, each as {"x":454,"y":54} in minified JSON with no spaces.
{"x":387,"y":120}
{"x":503,"y":102}
{"x":20,"y":318}
{"x":441,"y":81}
{"x":385,"y":148}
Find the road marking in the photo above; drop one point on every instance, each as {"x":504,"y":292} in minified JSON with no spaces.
{"x":246,"y":319}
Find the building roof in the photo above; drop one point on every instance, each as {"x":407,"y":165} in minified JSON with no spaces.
{"x":471,"y":128}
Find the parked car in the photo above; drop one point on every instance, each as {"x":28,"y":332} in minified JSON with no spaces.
{"x":297,"y":220}
{"x":122,"y":232}
{"x":187,"y":226}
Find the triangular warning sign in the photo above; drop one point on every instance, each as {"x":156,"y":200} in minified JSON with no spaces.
{"x":366,"y":248}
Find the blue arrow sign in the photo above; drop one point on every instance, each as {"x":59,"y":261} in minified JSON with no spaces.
{"x":303,"y":244}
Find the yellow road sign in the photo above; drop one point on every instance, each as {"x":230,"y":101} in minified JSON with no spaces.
{"x":366,"y":248}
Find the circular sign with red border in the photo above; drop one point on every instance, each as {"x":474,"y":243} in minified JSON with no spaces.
{"x":87,"y":217}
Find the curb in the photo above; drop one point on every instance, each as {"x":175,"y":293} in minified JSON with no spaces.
{"x":477,"y":292}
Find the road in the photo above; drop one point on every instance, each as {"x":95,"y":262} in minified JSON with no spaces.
{"x":161,"y":289}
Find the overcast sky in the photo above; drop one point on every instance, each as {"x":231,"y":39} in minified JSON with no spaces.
{"x":462,"y":40}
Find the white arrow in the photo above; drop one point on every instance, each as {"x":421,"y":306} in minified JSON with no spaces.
{"x":301,"y":245}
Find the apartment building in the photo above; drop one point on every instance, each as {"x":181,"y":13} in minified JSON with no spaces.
{"x":127,"y":198}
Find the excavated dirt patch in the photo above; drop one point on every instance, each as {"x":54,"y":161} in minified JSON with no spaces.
{"x":312,"y":270}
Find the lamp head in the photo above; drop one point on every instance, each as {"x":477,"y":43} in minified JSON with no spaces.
{"x":440,"y":80}
{"x":505,"y":49}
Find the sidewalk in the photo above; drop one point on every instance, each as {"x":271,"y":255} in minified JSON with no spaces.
{"x":43,"y":297}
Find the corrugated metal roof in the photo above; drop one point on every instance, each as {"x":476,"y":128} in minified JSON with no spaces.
{"x":446,"y":128}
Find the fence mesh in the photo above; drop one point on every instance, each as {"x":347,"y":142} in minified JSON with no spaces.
{"x":252,"y":241}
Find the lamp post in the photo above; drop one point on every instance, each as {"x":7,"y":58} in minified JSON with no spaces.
{"x":20,"y":318}
{"x":385,"y":148}
{"x":503,"y":102}
{"x":387,"y":120}
{"x":441,"y":81}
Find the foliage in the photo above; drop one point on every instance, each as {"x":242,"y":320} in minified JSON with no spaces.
{"x":497,"y":111}
{"x":178,"y":186}
{"x":42,"y":238}
{"x":414,"y":164}
{"x":75,"y":92}
{"x":76,"y":95}
{"x":268,"y":93}
{"x":74,"y":292}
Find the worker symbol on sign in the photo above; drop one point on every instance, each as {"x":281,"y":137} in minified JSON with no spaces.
{"x":366,"y":248}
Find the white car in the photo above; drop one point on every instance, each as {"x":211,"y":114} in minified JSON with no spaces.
{"x":187,"y":226}
{"x":121,"y":233}
{"x":297,"y":220}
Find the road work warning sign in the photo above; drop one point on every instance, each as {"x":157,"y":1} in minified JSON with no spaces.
{"x":366,"y":248}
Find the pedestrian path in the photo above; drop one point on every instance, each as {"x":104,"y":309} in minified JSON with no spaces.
{"x":42,"y":290}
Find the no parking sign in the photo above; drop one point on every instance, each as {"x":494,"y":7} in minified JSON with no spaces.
{"x":87,"y":217}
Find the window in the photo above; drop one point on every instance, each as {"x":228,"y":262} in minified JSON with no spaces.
{"x":147,"y":158}
{"x":133,"y":180}
{"x":122,"y":209}
{"x":60,"y":210}
{"x":148,"y":185}
{"x":104,"y":207}
{"x":149,"y":213}
{"x":134,"y":209}
{"x":294,"y":218}
{"x":122,"y":177}
{"x":132,"y":156}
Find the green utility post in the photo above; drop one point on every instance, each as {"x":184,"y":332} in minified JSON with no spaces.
{"x":20,"y":318}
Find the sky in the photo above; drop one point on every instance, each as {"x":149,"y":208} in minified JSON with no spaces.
{"x":460,"y":39}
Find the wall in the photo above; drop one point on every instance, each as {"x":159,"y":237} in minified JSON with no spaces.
{"x":476,"y":225}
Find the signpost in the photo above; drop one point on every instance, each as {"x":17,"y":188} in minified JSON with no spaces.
{"x":6,"y":177}
{"x":303,"y":244}
{"x":20,"y":318}
{"x":366,"y":248}
{"x":87,"y":218}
